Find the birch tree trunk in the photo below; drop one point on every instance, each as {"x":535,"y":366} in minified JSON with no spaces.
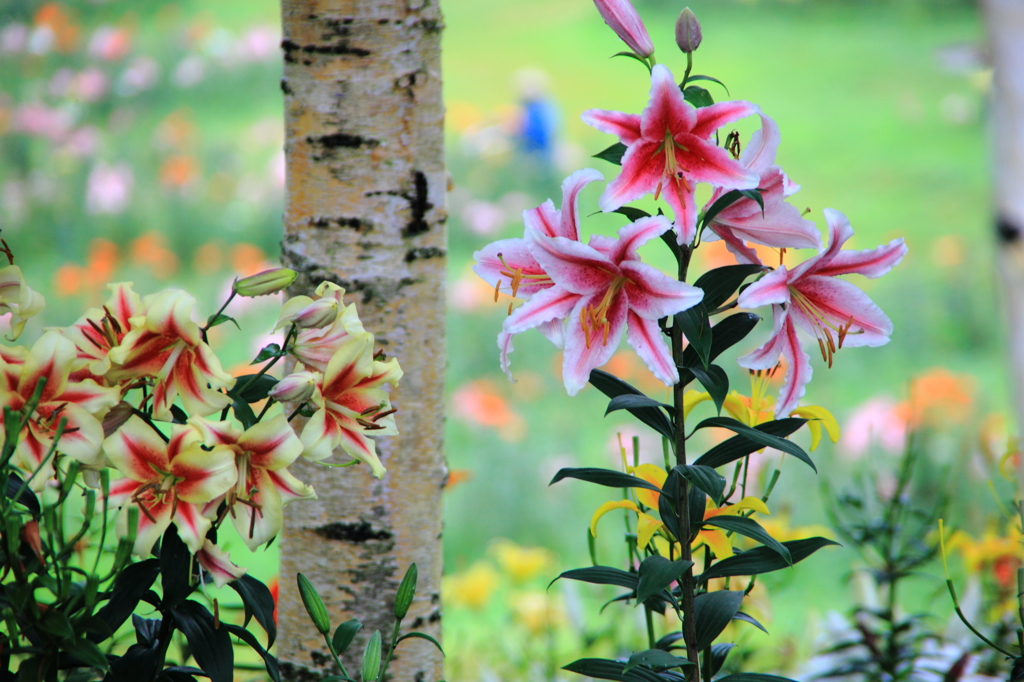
{"x":366,"y":209}
{"x":1005,"y":19}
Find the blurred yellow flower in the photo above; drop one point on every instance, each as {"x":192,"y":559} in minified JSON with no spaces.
{"x":537,"y":611}
{"x":473,"y":587}
{"x":522,"y":563}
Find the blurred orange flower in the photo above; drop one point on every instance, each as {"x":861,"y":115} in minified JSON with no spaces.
{"x":480,"y":403}
{"x":248,"y":259}
{"x":150,"y":251}
{"x":179,"y":171}
{"x":208,"y":258}
{"x":938,"y":397}
{"x":71,"y":279}
{"x":65,"y":32}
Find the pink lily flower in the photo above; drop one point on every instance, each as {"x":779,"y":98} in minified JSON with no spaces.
{"x":81,"y":404}
{"x":600,"y":289}
{"x":669,"y":151}
{"x":101,"y":329}
{"x":622,"y":17}
{"x":781,"y":224}
{"x":353,"y":404}
{"x":811,"y":297}
{"x":170,"y":482}
{"x":262,"y":454}
{"x":509,"y":263}
{"x":166,"y":344}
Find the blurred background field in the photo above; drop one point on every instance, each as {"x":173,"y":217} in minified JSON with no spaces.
{"x":143,"y":142}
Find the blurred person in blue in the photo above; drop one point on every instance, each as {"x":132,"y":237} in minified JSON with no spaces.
{"x":537,"y":124}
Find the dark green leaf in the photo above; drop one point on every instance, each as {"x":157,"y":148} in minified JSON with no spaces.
{"x":667,"y":502}
{"x":738,"y":447}
{"x":86,"y":652}
{"x":697,"y":329}
{"x":344,"y":635}
{"x":758,"y":436}
{"x":753,"y":677}
{"x":714,"y":662}
{"x":634,"y":214}
{"x":668,"y":640}
{"x":708,"y":78}
{"x":749,"y":528}
{"x":754,"y":195}
{"x":269,"y":660}
{"x":606,"y":477}
{"x":628,"y":401}
{"x":705,"y":478}
{"x":721,"y":283}
{"x":712,"y":612}
{"x":698,"y":505}
{"x":715,"y":381}
{"x":406,"y":592}
{"x":220,"y":318}
{"x":147,"y":630}
{"x":139,"y":662}
{"x":254,"y":392}
{"x":244,"y":413}
{"x":723,"y":202}
{"x":271,"y":350}
{"x":259,"y":602}
{"x":57,"y":624}
{"x":421,"y":635}
{"x":27,"y":498}
{"x":724,"y":335}
{"x":750,"y":619}
{"x":698,"y":96}
{"x":210,"y":645}
{"x":671,"y":240}
{"x":602,"y":669}
{"x":764,"y":560}
{"x":656,"y":573}
{"x":655,"y":658}
{"x":131,"y":583}
{"x":612,"y":386}
{"x":175,"y":569}
{"x":612,"y":154}
{"x":178,"y":415}
{"x":601,"y":575}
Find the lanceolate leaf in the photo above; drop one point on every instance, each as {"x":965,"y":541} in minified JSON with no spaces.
{"x":27,"y":498}
{"x":602,"y":669}
{"x":133,"y":582}
{"x":714,"y":663}
{"x":628,"y":401}
{"x":601,"y":575}
{"x":420,"y":635}
{"x":612,"y":154}
{"x":696,"y":328}
{"x":715,"y":381}
{"x":344,"y":635}
{"x":656,"y":573}
{"x":724,"y":335}
{"x":730,"y":198}
{"x":712,"y":612}
{"x":655,"y":658}
{"x":269,"y":660}
{"x":634,"y":214}
{"x":738,"y":447}
{"x":271,"y":350}
{"x":708,"y":78}
{"x":606,"y":477}
{"x":705,"y":478}
{"x":698,"y":96}
{"x":758,"y":436}
{"x":764,"y":560}
{"x":612,"y":386}
{"x":210,"y":642}
{"x":721,"y":283}
{"x":219,"y":319}
{"x":254,"y":392}
{"x":259,"y":602}
{"x":752,"y":529}
{"x":750,"y":619}
{"x":753,"y":677}
{"x":175,"y":569}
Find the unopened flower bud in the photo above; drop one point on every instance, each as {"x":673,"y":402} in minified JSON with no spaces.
{"x":688,"y":34}
{"x":266,"y":282}
{"x":317,"y":314}
{"x":622,"y":17}
{"x":294,"y":388}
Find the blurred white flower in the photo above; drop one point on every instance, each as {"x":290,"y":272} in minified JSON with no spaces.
{"x":108,"y":189}
{"x":189,"y":71}
{"x":258,"y":44}
{"x":483,"y":217}
{"x":40,"y":41}
{"x":140,"y":75}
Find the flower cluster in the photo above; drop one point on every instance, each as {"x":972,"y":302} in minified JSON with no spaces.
{"x":135,"y":386}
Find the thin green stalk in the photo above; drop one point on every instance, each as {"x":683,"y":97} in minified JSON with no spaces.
{"x":391,"y":650}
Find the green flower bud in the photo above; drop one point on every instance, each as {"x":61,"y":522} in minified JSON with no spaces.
{"x":266,"y":282}
{"x":688,"y":34}
{"x":314,"y":605}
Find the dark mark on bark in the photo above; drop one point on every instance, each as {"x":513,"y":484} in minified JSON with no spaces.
{"x":335,"y":140}
{"x":382,"y":22}
{"x":435,"y":598}
{"x":418,"y":205}
{"x":336,"y":29}
{"x":299,"y":673}
{"x":376,"y":289}
{"x":356,"y":224}
{"x":420,"y":676}
{"x":425,"y":252}
{"x":1008,"y":232}
{"x":285,"y":88}
{"x":432,"y":25}
{"x":341,"y":48}
{"x":352,"y":532}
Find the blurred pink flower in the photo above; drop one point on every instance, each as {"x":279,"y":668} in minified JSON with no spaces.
{"x":140,"y":75}
{"x":90,"y":85}
{"x":259,"y":44}
{"x":13,"y":37}
{"x":277,"y":169}
{"x":483,"y":217}
{"x":82,"y":141}
{"x":109,"y":188}
{"x":109,"y":43}
{"x":39,"y":119}
{"x":877,"y":420}
{"x":60,"y":82}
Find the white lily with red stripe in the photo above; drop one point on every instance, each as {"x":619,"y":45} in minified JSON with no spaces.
{"x":170,"y":482}
{"x":315,"y":346}
{"x":18,"y":299}
{"x":353,"y":404}
{"x":101,"y":329}
{"x":669,"y":151}
{"x":217,"y":563}
{"x":508,"y":264}
{"x":600,"y":289}
{"x":166,"y":344}
{"x":81,"y":404}
{"x":262,"y":454}
{"x":811,"y":297}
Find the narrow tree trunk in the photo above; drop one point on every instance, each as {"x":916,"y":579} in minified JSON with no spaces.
{"x":366,"y":209}
{"x":1005,"y":19}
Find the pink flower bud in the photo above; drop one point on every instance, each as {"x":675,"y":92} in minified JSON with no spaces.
{"x":622,"y":17}
{"x":317,"y":314}
{"x":688,"y":34}
{"x":294,"y":388}
{"x":266,"y":282}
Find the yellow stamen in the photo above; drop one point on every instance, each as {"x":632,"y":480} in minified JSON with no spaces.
{"x":594,"y":317}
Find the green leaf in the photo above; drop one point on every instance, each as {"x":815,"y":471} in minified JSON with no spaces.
{"x":726,"y":200}
{"x":178,"y":415}
{"x":656,"y":573}
{"x":697,"y":329}
{"x":715,"y":381}
{"x":705,"y":478}
{"x":721,"y":283}
{"x":601,"y":575}
{"x":750,"y":619}
{"x":708,"y":78}
{"x":626,"y":53}
{"x":602,"y":669}
{"x":712,"y":611}
{"x":269,"y":660}
{"x":57,"y":624}
{"x":738,"y":447}
{"x":132,"y":582}
{"x":750,"y":528}
{"x":254,"y":392}
{"x":371,"y":657}
{"x":27,"y":498}
{"x":612,"y":386}
{"x":698,"y":96}
{"x":344,"y":635}
{"x":86,"y":652}
{"x":420,"y":635}
{"x":175,"y":569}
{"x":754,"y":195}
{"x":406,"y":592}
{"x":724,"y":335}
{"x":758,"y":436}
{"x":220,"y":318}
{"x":259,"y":602}
{"x":655,"y":658}
{"x":634,"y":214}
{"x":764,"y":560}
{"x":271,"y":350}
{"x":606,"y":477}
{"x":628,"y":401}
{"x":314,"y":605}
{"x":612,"y":154}
{"x":753,"y":677}
{"x":714,"y":662}
{"x":243,"y":413}
{"x":210,"y":643}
